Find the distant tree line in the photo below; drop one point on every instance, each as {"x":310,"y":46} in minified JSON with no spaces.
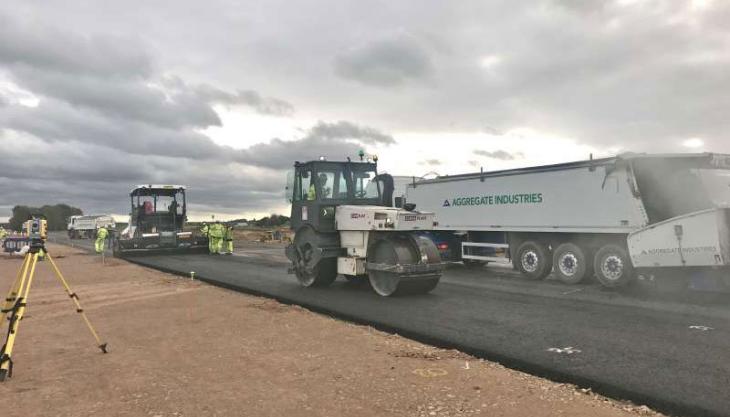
{"x":56,"y":215}
{"x":273,"y":220}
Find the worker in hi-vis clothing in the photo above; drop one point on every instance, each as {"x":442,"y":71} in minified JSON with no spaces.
{"x":326,"y":191}
{"x":228,"y":239}
{"x":215,"y":234}
{"x":101,"y":235}
{"x":205,"y":230}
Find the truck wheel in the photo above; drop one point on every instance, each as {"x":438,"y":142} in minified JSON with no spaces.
{"x":613,"y":266}
{"x":571,"y":263}
{"x":533,"y":260}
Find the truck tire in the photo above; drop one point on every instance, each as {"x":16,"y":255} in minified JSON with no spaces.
{"x":533,"y":260}
{"x":613,"y":266}
{"x":572,"y":264}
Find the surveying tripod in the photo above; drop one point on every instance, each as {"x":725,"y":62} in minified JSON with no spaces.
{"x":17,"y":301}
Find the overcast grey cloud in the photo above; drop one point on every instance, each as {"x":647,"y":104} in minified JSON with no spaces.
{"x":431,"y":162}
{"x":45,"y":47}
{"x":334,"y":141}
{"x":107,"y":118}
{"x":499,"y":154}
{"x":385,"y":62}
{"x":137,"y":87}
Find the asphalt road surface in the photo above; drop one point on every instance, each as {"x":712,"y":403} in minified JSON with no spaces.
{"x":671,"y":353}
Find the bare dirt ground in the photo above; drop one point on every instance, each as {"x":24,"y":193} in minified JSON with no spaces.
{"x":182,"y":348}
{"x":261,"y":235}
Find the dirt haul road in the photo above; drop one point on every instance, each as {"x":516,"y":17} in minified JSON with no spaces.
{"x":183,"y":348}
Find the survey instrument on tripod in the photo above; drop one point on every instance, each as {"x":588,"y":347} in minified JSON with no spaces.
{"x":16,"y":301}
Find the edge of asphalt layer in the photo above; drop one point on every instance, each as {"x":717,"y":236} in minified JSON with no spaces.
{"x":611,"y":298}
{"x":614,"y":391}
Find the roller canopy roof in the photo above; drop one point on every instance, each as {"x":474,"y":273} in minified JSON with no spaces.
{"x":157,"y":189}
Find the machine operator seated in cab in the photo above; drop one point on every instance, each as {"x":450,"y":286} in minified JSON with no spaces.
{"x":326,"y":191}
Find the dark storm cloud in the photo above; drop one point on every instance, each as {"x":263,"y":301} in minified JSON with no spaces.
{"x":348,"y":130}
{"x":54,"y":121}
{"x":385,"y":62}
{"x":114,"y":76}
{"x":48,"y":48}
{"x":98,"y":180}
{"x":639,"y":75}
{"x":128,"y":100}
{"x":643,"y":75}
{"x":335,"y":141}
{"x":263,"y":105}
{"x":500,"y":154}
{"x":108,"y":119}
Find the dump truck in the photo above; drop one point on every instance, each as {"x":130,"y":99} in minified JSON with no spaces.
{"x":157,"y":223}
{"x":344,"y":225}
{"x":80,"y":227}
{"x":613,"y":217}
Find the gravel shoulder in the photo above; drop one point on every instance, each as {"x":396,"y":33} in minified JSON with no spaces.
{"x":183,"y":348}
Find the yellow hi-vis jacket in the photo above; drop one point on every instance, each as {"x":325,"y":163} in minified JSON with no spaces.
{"x":216,"y":230}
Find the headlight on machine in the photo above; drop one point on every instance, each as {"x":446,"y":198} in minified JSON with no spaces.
{"x":389,"y":223}
{"x":328,"y":211}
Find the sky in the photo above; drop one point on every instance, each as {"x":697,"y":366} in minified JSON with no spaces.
{"x":223,"y":96}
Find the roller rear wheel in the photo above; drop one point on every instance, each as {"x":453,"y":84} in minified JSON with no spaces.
{"x":313,"y":271}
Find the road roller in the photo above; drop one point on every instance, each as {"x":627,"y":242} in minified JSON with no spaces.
{"x":344,"y":224}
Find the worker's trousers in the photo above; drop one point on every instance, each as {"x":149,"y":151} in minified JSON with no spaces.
{"x":99,"y":245}
{"x":215,"y":244}
{"x":229,"y":245}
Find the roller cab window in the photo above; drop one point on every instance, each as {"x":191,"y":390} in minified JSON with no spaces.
{"x":364,"y":184}
{"x":332,"y":185}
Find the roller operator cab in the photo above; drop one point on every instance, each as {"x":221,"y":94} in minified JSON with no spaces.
{"x":344,"y":225}
{"x":157,"y":223}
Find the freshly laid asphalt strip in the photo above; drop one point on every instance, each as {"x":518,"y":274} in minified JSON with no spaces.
{"x":649,"y":356}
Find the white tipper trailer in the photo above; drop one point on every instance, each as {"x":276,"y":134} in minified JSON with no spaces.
{"x":612,"y":217}
{"x":85,"y":226}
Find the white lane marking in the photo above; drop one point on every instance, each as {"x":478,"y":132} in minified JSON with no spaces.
{"x":568,"y":350}
{"x":700,"y":328}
